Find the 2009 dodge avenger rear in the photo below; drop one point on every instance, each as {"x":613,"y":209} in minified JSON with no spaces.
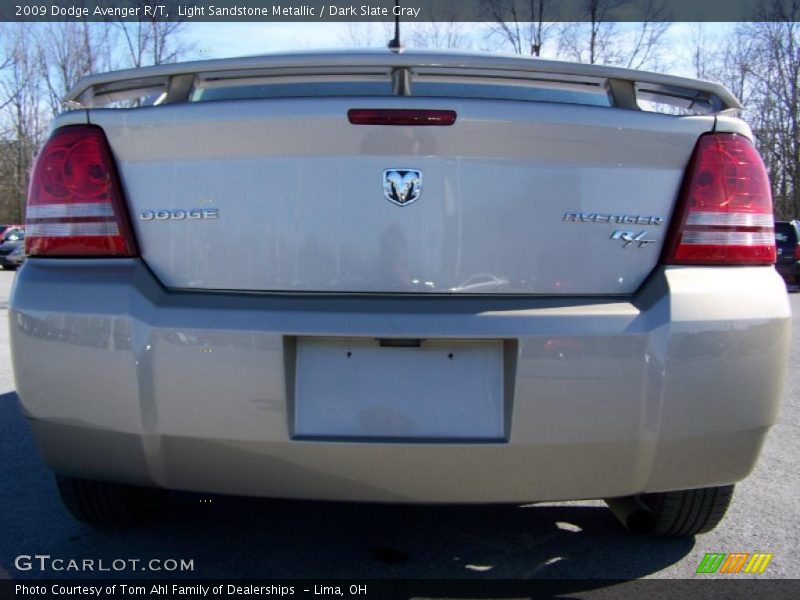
{"x":418,"y":277}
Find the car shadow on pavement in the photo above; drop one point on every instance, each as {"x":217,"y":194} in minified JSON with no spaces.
{"x":231,"y":537}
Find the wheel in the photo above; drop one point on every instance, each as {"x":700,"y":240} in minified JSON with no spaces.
{"x":109,"y":505}
{"x":688,"y":512}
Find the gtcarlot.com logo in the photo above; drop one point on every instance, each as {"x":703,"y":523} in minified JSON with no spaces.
{"x":47,"y":563}
{"x":737,"y":562}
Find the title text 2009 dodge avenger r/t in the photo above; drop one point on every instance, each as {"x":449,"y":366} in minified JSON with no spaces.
{"x":444,"y":278}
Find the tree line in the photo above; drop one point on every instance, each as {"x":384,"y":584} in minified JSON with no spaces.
{"x":40,"y":63}
{"x":758,"y":61}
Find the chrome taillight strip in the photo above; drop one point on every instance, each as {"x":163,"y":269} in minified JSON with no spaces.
{"x":728,"y":238}
{"x":71,"y":229}
{"x":58,"y":211}
{"x":732,"y":219}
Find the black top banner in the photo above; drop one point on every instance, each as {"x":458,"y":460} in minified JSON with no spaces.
{"x":407,"y":10}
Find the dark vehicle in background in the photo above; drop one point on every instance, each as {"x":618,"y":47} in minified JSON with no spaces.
{"x":787,"y":242}
{"x":7,"y":230}
{"x":12,"y":249}
{"x":13,"y":233}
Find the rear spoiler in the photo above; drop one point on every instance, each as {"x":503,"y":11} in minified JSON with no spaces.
{"x":173,"y":83}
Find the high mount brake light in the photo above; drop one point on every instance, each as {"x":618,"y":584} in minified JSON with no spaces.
{"x":75,"y":203}
{"x":724,"y":213}
{"x":400,"y":116}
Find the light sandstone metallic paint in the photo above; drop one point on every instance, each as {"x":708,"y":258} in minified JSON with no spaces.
{"x":671,"y":388}
{"x":302,"y":209}
{"x":616,"y":375}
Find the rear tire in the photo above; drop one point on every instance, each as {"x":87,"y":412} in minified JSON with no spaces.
{"x":688,"y":512}
{"x":109,"y":505}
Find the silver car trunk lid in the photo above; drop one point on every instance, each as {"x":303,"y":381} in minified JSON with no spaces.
{"x":514,"y":198}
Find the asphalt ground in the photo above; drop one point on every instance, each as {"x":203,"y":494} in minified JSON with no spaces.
{"x":229,"y":537}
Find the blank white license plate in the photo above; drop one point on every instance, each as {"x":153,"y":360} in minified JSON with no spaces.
{"x":353,"y":388}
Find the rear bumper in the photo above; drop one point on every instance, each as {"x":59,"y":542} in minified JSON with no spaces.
{"x":674,"y":388}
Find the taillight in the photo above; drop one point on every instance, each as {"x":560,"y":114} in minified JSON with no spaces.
{"x":724,"y":213}
{"x":75,"y":204}
{"x":797,"y":252}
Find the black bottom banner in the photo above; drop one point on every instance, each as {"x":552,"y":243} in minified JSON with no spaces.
{"x":405,"y":589}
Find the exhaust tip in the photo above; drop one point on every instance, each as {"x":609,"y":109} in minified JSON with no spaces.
{"x":641,"y":521}
{"x":634,"y":514}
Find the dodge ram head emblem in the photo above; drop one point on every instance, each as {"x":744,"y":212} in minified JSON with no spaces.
{"x":402,"y":186}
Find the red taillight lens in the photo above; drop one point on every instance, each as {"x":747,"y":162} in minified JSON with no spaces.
{"x":797,"y":252}
{"x":724,"y":214}
{"x":394,"y":116}
{"x":75,"y":205}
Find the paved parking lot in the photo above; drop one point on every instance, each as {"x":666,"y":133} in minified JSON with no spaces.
{"x":236,"y":537}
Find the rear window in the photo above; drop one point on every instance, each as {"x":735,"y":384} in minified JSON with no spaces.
{"x":785,"y":234}
{"x":295,"y":90}
{"x":592,"y":96}
{"x":510,"y":92}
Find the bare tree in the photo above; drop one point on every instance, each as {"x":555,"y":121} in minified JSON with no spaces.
{"x":648,"y":37}
{"x":444,"y":31}
{"x":39,"y":63}
{"x":366,"y":34}
{"x":760,"y":63}
{"x":68,"y":51}
{"x":24,"y":124}
{"x":150,"y":41}
{"x":701,"y":55}
{"x":776,"y":105}
{"x":42,"y":62}
{"x":8,"y":202}
{"x":522,"y":25}
{"x":7,"y":57}
{"x":599,"y":40}
{"x":739,"y":58}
